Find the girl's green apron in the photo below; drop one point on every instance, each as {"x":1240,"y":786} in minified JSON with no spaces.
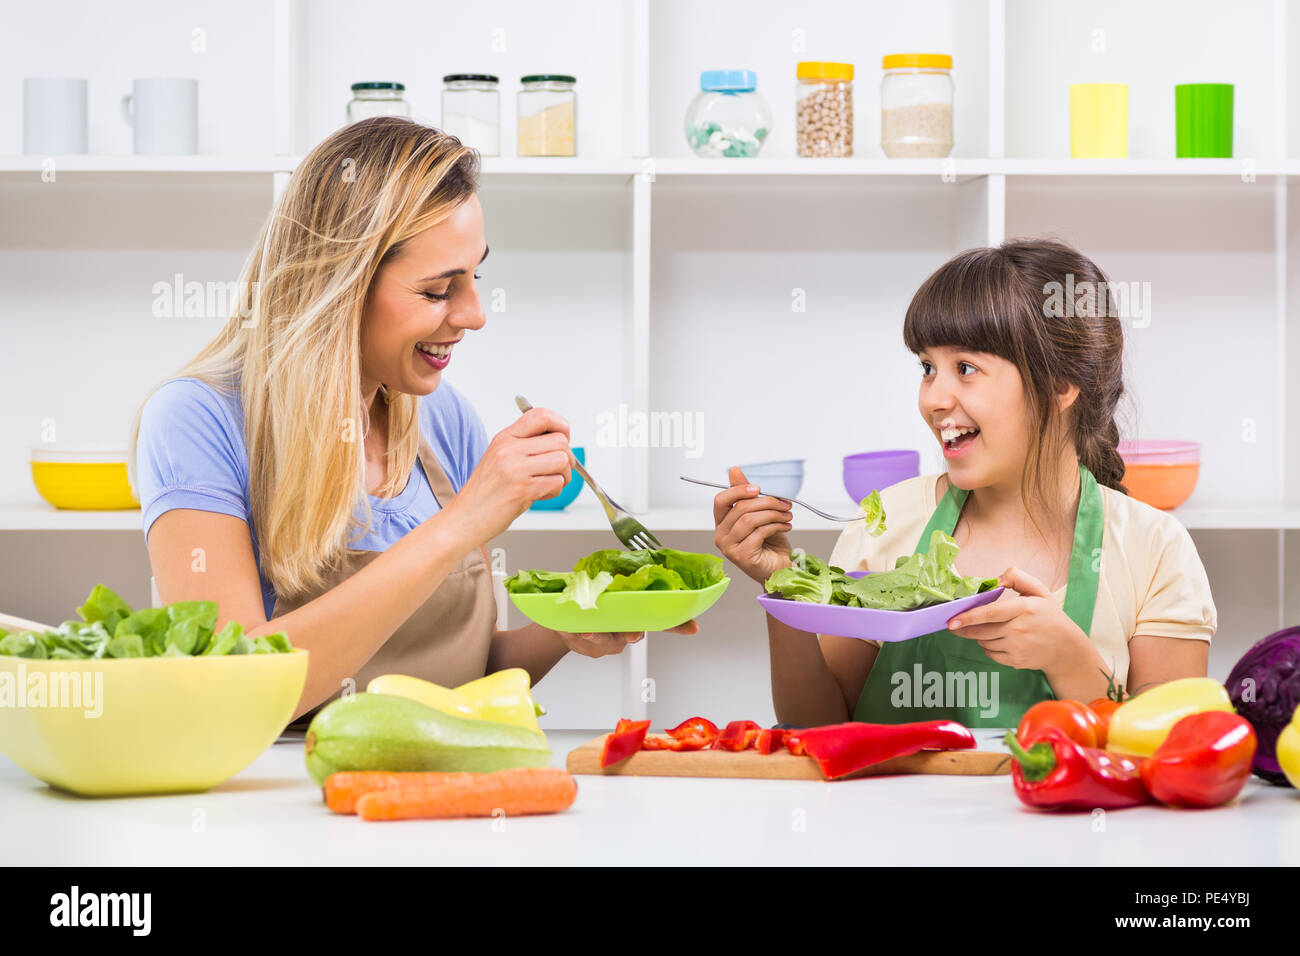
{"x":941,"y":676}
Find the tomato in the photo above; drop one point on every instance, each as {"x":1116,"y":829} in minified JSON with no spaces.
{"x":1074,"y":719}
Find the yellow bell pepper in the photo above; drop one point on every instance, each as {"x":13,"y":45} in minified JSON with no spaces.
{"x":1288,"y":750}
{"x":1140,"y":725}
{"x":503,"y":697}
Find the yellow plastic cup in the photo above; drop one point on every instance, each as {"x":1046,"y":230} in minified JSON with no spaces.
{"x":1098,"y":120}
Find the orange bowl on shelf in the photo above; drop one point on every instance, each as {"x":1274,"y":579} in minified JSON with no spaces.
{"x":1161,"y":474}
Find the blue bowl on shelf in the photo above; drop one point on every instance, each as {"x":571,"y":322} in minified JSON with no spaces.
{"x":781,"y":479}
{"x":569,"y":492}
{"x":877,"y":470}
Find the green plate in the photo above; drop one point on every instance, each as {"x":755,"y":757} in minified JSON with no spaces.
{"x":620,"y":610}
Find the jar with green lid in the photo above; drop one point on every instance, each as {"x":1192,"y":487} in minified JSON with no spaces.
{"x":471,"y":110}
{"x":548,"y":114}
{"x":916,"y":94}
{"x":377,"y":99}
{"x":823,"y":102}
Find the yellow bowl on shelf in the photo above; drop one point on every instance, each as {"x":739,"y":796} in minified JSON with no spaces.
{"x":83,"y":477}
{"x":146,"y":724}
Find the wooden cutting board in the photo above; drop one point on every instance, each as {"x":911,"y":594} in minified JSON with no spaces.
{"x":780,"y":765}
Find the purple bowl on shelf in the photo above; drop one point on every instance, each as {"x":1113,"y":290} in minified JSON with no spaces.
{"x":876,"y":470}
{"x":869,"y":623}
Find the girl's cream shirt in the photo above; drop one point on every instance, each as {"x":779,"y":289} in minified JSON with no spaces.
{"x":1151,"y":578}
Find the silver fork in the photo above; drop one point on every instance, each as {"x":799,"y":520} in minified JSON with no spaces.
{"x":627,"y":529}
{"x":816,"y":511}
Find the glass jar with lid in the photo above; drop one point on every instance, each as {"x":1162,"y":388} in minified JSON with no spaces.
{"x":823,"y":102}
{"x":377,"y":99}
{"x":916,"y":94}
{"x":728,"y":117}
{"x":471,"y":110}
{"x":548,"y":115}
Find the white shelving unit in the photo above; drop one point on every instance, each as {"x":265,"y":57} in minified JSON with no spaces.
{"x":638,"y":279}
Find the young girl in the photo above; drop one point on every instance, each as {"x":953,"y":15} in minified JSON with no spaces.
{"x":1022,"y":399}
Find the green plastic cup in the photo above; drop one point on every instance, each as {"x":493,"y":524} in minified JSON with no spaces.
{"x":1204,"y":119}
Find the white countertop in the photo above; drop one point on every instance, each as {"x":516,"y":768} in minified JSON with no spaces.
{"x":271,"y":813}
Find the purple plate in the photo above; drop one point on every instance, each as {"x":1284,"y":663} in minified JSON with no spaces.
{"x":868,"y":623}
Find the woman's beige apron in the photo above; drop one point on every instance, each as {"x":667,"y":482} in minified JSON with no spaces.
{"x":446,"y":639}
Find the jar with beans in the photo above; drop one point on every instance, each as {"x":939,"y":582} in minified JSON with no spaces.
{"x":824,"y":109}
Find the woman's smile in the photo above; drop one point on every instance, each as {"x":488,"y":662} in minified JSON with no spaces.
{"x":437,"y":354}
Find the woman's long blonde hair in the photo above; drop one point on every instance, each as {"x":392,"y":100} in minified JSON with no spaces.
{"x":293,"y":352}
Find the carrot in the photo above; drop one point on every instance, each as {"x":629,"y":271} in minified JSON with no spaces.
{"x":342,"y":790}
{"x":517,"y":792}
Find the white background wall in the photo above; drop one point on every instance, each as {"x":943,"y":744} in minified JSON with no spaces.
{"x":723,"y":251}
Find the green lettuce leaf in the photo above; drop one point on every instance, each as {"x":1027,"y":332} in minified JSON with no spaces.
{"x":104,"y":606}
{"x":615,"y":562}
{"x":651,"y":577}
{"x":23,"y":644}
{"x":874,"y":514}
{"x":584,"y":589}
{"x":538,"y":582}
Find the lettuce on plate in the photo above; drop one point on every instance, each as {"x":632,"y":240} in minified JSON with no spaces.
{"x":111,"y":629}
{"x":917,"y":580}
{"x":661,"y":569}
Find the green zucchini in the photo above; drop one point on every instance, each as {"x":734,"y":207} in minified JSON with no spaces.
{"x":384,"y":732}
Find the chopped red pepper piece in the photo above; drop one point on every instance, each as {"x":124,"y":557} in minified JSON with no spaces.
{"x":1055,"y":772}
{"x":623,"y":742}
{"x":737,"y":735}
{"x":658,"y":742}
{"x":841,"y":749}
{"x":695,"y":727}
{"x":691,"y":743}
{"x":770,"y":740}
{"x":1204,"y":762}
{"x":794,"y":743}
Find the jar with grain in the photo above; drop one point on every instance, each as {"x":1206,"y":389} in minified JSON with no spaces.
{"x":728,"y":117}
{"x":548,"y":113}
{"x":916,"y":105}
{"x":471,"y":110}
{"x":823,"y":101}
{"x":377,"y":99}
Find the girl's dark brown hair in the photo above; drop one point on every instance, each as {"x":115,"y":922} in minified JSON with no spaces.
{"x":1014,"y":301}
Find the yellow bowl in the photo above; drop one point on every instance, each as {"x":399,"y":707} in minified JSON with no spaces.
{"x":84,"y":485}
{"x":145,"y":725}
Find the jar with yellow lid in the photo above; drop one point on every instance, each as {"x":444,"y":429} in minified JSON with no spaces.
{"x":823,"y":101}
{"x":916,"y":105}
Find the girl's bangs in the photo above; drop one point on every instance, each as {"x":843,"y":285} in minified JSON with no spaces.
{"x":964,"y":305}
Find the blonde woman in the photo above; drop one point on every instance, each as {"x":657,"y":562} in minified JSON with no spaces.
{"x":310,"y":471}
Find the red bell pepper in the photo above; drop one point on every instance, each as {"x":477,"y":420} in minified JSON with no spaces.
{"x":656,"y":742}
{"x":1055,"y":772}
{"x":695,"y":727}
{"x":738,"y":735}
{"x":794,"y":743}
{"x":1078,"y":721}
{"x":1204,"y":762}
{"x":623,"y":742}
{"x":692,"y":743}
{"x":770,"y":740}
{"x":841,"y":749}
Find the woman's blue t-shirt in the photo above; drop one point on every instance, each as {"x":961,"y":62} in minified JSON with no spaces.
{"x":191,"y":454}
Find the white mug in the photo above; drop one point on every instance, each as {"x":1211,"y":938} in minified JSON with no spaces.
{"x":165,"y":115}
{"x":54,"y":115}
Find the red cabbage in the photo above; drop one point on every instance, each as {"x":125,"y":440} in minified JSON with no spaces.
{"x":1265,"y":688}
